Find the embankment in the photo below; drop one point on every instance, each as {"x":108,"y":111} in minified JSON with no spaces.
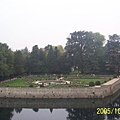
{"x":102,"y":91}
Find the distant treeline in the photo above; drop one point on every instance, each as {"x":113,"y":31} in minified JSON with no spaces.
{"x":84,"y":51}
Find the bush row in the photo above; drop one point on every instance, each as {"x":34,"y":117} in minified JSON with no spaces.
{"x":96,"y":83}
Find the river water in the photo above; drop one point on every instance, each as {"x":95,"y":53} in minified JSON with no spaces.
{"x":61,"y":109}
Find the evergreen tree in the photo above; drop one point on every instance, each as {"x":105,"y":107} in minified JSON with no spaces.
{"x":113,"y":54}
{"x":18,"y":63}
{"x":10,"y":63}
{"x":6,"y":61}
{"x":51,"y":61}
{"x":42,"y":58}
{"x":34,"y":60}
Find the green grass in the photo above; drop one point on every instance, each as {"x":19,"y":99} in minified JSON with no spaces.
{"x":16,"y":83}
{"x":87,"y":80}
{"x":76,"y":81}
{"x":74,"y":72}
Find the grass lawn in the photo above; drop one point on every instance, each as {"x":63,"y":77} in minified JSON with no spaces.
{"x":87,"y":80}
{"x":75,"y":81}
{"x":16,"y":83}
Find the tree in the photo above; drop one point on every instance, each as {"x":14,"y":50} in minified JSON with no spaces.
{"x":42,"y":58}
{"x":3,"y":60}
{"x":6,"y":61}
{"x":18,"y":63}
{"x":113,"y":53}
{"x":64,"y":64}
{"x":83,"y":49}
{"x":26,"y":55}
{"x":60,"y":49}
{"x":51,"y":60}
{"x":10,"y":63}
{"x":34,"y":60}
{"x":25,"y":51}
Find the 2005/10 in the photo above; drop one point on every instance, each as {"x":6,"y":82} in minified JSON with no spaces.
{"x":108,"y":111}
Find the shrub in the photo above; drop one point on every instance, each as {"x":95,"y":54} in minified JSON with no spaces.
{"x":115,"y":76}
{"x":31,"y":85}
{"x":91,"y":84}
{"x":42,"y":85}
{"x":105,"y":81}
{"x":8,"y":86}
{"x":97,"y":83}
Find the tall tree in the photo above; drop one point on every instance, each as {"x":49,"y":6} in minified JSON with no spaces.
{"x":26,"y":55}
{"x":34,"y":60}
{"x":3,"y":60}
{"x":42,"y":58}
{"x":113,"y":53}
{"x":82,"y":48}
{"x":10,"y":63}
{"x":51,"y":60}
{"x":25,"y":51}
{"x":6,"y":61}
{"x":64,"y":64}
{"x":18,"y":63}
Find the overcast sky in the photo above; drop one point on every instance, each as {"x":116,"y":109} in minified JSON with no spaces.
{"x":42,"y":22}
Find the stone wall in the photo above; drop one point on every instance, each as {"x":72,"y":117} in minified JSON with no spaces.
{"x":88,"y":92}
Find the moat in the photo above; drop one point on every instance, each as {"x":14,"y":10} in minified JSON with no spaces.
{"x":59,"y":109}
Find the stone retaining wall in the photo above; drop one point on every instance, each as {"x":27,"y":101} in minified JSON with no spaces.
{"x":88,"y":92}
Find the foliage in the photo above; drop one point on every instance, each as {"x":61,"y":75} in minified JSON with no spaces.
{"x":97,"y":83}
{"x":18,"y":63}
{"x":113,"y":54}
{"x":114,"y":76}
{"x":84,"y":51}
{"x":6,"y":62}
{"x":91,"y":84}
{"x":34,"y":60}
{"x":31,"y":85}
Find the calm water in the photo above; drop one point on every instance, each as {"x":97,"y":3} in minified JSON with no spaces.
{"x":54,"y":109}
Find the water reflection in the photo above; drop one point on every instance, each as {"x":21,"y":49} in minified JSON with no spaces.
{"x":83,"y":114}
{"x":55,"y":114}
{"x":18,"y":110}
{"x":56,"y":110}
{"x":6,"y":113}
{"x":41,"y":114}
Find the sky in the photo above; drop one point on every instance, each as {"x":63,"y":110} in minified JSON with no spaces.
{"x":42,"y":22}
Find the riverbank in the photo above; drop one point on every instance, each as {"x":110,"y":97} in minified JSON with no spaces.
{"x":101,"y":91}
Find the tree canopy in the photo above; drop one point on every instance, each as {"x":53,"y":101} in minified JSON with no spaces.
{"x":113,"y":53}
{"x":84,"y":51}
